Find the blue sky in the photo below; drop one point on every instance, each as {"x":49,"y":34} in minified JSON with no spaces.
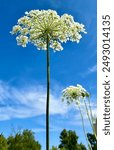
{"x":23,"y":71}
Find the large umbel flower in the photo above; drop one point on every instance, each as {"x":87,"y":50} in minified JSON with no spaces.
{"x":36,"y":25}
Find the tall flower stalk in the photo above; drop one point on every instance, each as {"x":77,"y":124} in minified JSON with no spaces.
{"x":83,"y":125}
{"x":45,"y":29}
{"x":48,"y":94}
{"x":78,"y":95}
{"x":90,"y":116}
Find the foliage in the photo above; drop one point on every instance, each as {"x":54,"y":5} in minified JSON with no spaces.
{"x":3,"y":143}
{"x":54,"y":148}
{"x":23,"y":141}
{"x":26,"y":141}
{"x":20,"y":141}
{"x":92,"y":140}
{"x":69,"y":141}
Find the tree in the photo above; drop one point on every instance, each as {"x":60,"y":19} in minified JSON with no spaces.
{"x":3,"y":143}
{"x":92,"y":140}
{"x":69,"y":141}
{"x":23,"y":141}
{"x":46,"y":29}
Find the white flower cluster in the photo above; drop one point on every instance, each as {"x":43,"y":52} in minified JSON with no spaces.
{"x":37,"y":25}
{"x":74,"y":94}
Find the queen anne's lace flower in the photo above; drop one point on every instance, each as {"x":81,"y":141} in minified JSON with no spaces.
{"x":74,"y":94}
{"x":37,"y":25}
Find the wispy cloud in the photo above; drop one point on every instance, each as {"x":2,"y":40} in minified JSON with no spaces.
{"x":27,"y":102}
{"x":89,"y":71}
{"x":92,"y":69}
{"x":52,"y":129}
{"x":30,"y":101}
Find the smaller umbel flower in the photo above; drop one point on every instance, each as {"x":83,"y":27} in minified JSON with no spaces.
{"x":74,"y":94}
{"x":36,"y":25}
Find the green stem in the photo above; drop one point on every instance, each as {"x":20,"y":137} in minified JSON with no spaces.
{"x":92,"y":117}
{"x":89,"y":146}
{"x":48,"y":95}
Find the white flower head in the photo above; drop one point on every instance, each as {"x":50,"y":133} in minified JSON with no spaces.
{"x":37,"y":25}
{"x":74,"y":94}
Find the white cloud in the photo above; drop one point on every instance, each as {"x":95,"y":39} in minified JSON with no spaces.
{"x":27,"y":102}
{"x":30,"y":101}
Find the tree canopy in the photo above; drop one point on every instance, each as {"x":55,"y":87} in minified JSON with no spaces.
{"x":20,"y":141}
{"x":3,"y":143}
{"x":69,"y":141}
{"x":92,"y":140}
{"x":26,"y":141}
